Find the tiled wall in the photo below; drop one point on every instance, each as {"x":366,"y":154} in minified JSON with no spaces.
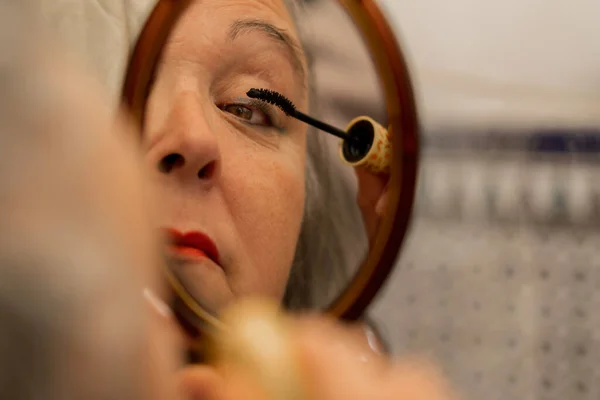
{"x":500,"y":277}
{"x":545,"y":177}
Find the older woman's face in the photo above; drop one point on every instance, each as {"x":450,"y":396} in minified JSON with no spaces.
{"x":227,"y":167}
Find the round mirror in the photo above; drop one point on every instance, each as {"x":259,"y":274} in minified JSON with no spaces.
{"x":283,"y":140}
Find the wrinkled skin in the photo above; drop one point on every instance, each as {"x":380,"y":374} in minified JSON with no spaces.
{"x":225,"y":166}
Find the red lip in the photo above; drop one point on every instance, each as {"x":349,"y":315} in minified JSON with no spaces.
{"x":194,"y":244}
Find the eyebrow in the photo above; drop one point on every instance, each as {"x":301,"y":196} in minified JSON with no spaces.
{"x":245,"y":26}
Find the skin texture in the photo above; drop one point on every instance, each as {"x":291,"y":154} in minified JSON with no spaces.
{"x":372,"y":198}
{"x":240,"y":183}
{"x":82,"y":189}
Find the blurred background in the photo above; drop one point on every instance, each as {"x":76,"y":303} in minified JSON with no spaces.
{"x":500,"y":277}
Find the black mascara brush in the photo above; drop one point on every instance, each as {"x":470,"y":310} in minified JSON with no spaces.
{"x":289,"y":109}
{"x":365,"y":143}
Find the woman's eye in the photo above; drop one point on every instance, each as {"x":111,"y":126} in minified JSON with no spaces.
{"x":249,"y":114}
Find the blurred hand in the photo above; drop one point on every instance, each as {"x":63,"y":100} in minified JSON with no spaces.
{"x":335,"y":363}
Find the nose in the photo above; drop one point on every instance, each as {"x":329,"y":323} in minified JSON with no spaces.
{"x":186,"y":146}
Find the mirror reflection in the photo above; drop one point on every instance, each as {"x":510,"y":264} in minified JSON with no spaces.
{"x":255,"y":199}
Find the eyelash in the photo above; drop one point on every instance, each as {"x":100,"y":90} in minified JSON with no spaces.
{"x":254,"y":106}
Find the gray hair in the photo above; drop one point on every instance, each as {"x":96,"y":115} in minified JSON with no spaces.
{"x":332,"y":238}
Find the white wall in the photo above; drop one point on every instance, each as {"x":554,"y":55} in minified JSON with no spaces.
{"x":504,"y":60}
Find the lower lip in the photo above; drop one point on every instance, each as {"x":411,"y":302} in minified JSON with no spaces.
{"x":188,"y":251}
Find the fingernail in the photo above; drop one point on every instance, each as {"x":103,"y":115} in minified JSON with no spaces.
{"x":373,"y":342}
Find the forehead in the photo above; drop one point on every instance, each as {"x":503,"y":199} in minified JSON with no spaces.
{"x":215,"y":32}
{"x":272,"y":9}
{"x":213,"y":19}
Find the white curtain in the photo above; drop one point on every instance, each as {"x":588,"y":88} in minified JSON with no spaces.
{"x":100,"y":33}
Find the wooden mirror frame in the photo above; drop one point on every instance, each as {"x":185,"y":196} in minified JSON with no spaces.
{"x":395,"y":80}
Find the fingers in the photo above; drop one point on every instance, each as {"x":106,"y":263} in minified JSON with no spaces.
{"x":335,"y":363}
{"x":372,"y":198}
{"x":222,"y":382}
{"x":382,"y":202}
{"x":319,"y":345}
{"x":324,"y":343}
{"x":418,"y":380}
{"x":370,"y":187}
{"x":339,"y":364}
{"x":200,"y":383}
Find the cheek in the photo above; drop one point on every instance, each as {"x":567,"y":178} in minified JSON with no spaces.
{"x":267,"y":204}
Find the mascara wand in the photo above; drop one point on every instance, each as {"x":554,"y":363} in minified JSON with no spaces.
{"x":365,"y":143}
{"x":289,"y":109}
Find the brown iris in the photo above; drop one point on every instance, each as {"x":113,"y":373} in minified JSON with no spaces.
{"x":239,"y":111}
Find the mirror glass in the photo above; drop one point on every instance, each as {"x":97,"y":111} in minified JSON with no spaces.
{"x":253,"y":201}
